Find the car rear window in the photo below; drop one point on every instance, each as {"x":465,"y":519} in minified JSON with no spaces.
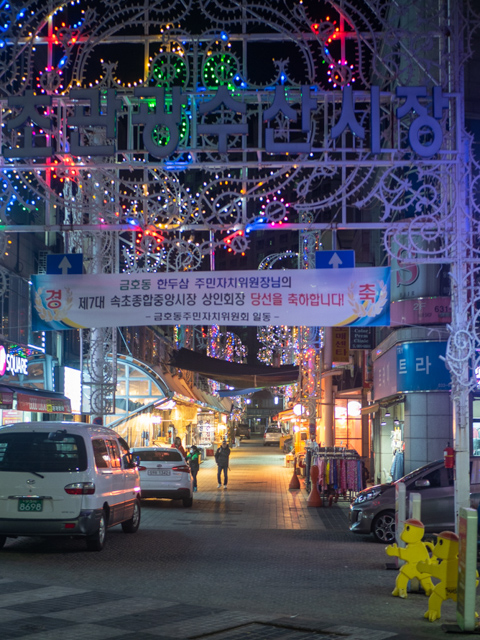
{"x":159,"y":456}
{"x":35,"y":452}
{"x":274,"y":430}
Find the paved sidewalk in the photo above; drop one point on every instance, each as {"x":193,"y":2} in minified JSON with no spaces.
{"x":248,"y":562}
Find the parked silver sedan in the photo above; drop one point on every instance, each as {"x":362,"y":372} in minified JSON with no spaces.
{"x":373,"y":510}
{"x":272,"y":435}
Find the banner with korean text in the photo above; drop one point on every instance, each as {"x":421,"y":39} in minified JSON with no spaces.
{"x":311,"y":297}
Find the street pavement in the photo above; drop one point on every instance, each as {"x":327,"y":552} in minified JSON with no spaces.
{"x":252,"y":561}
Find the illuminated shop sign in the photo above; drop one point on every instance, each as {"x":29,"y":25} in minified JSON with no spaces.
{"x":44,"y":126}
{"x":13,"y":363}
{"x":411,"y":366}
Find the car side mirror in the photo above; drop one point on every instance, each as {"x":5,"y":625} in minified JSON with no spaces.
{"x":422,"y":483}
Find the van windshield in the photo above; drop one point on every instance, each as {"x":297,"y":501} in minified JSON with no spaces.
{"x":33,"y":451}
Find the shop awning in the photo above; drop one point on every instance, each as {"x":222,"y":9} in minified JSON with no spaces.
{"x":383,"y":404}
{"x":222,"y":405}
{"x":36,"y":400}
{"x":42,"y":404}
{"x":6,"y":399}
{"x":178,"y":387}
{"x":234,"y":374}
{"x":373,"y":408}
{"x":285,"y":416}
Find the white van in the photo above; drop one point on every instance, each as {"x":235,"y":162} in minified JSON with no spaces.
{"x":66,"y":479}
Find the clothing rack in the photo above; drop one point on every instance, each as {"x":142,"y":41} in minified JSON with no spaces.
{"x":339,"y":472}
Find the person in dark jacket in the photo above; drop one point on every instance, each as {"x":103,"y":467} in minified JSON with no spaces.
{"x":222,"y":456}
{"x":193,"y":460}
{"x":177,"y":444}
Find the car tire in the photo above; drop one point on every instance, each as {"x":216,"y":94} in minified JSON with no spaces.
{"x":383,"y":527}
{"x":3,"y":539}
{"x":187,"y":502}
{"x":96,"y":542}
{"x":131,"y":526}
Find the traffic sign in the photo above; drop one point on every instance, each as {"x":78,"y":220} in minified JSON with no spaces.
{"x":65,"y":263}
{"x":334,"y":259}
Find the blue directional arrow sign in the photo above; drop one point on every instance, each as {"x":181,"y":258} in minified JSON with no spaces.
{"x":334,"y":259}
{"x":65,"y":263}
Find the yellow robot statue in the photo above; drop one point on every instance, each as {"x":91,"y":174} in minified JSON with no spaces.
{"x":414,"y":553}
{"x":444,"y":566}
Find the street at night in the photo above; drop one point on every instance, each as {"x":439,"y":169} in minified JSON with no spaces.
{"x":249,"y":561}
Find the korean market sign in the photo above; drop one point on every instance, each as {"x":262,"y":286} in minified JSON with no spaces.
{"x":312,"y":297}
{"x":155,"y":108}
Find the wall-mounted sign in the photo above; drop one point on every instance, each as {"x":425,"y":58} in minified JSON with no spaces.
{"x":72,"y":388}
{"x":12,"y":362}
{"x":432,"y":310}
{"x":411,"y":366}
{"x":28,"y":402}
{"x":362,"y":338}
{"x":340,"y":344}
{"x":420,"y":367}
{"x":411,"y":279}
{"x":385,"y":375}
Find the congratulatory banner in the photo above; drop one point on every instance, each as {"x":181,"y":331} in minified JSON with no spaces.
{"x":311,"y":297}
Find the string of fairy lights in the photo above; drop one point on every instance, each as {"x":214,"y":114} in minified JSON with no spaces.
{"x":159,"y":202}
{"x":65,"y":32}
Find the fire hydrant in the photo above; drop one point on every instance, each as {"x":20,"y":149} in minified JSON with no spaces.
{"x":413,"y":554}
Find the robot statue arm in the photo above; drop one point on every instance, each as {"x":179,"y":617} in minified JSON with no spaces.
{"x":393,"y":550}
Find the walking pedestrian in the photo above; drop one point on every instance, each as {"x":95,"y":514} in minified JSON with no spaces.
{"x":177,"y":444}
{"x":222,"y":456}
{"x":193,"y":461}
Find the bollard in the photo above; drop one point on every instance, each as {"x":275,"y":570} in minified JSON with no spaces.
{"x":400,"y":517}
{"x":294,"y":482}
{"x":314,"y":499}
{"x":415,"y":512}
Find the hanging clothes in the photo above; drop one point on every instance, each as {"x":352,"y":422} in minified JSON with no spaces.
{"x":338,"y":471}
{"x":397,"y":466}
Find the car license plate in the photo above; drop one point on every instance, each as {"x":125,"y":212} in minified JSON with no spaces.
{"x":30,"y":504}
{"x":158,"y":472}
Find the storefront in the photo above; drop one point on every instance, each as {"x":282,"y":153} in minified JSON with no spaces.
{"x":153,"y":406}
{"x":350,"y":426}
{"x":26,"y":386}
{"x":475,"y":420}
{"x":411,"y":416}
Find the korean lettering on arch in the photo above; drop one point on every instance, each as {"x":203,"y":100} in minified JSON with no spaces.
{"x":30,"y":123}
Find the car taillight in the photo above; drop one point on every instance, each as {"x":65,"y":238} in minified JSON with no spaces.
{"x":80,"y":489}
{"x":142,"y":468}
{"x":182,"y":467}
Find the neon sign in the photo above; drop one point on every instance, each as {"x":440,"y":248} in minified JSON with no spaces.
{"x":12,"y":363}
